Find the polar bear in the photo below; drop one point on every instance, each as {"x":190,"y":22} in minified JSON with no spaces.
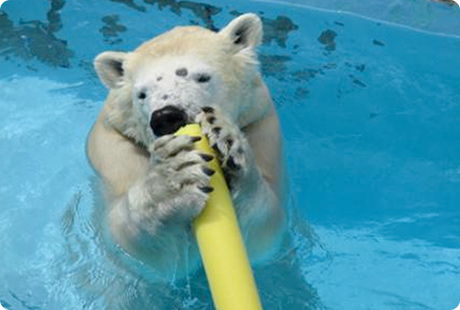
{"x":156,"y":183}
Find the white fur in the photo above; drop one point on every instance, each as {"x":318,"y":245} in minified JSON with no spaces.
{"x":155,"y":185}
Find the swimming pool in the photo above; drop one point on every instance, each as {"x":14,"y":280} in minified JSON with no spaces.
{"x":370,"y":116}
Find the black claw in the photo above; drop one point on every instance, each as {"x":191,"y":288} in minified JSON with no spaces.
{"x":217,"y":130}
{"x":195,"y":139}
{"x":208,"y":171}
{"x":211,"y":120}
{"x":206,"y":189}
{"x":231,"y":164}
{"x":228,"y":178}
{"x":229,"y":143}
{"x":218,"y":151}
{"x":207,"y":157}
{"x":208,"y":109}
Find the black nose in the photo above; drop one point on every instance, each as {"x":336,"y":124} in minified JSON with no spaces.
{"x":167,"y":120}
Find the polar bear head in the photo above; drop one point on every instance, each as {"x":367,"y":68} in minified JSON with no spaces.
{"x":166,"y":81}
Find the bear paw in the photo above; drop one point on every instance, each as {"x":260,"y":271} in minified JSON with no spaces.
{"x":182,"y":174}
{"x":228,"y":141}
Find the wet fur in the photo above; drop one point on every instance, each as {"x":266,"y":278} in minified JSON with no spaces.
{"x":155,"y":186}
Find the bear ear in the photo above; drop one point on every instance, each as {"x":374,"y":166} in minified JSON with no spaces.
{"x":109,"y":68}
{"x":244,"y":31}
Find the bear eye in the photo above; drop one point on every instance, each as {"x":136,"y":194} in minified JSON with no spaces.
{"x":142,"y":95}
{"x":203,"y":78}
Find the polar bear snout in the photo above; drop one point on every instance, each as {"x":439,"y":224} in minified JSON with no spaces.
{"x":167,"y":120}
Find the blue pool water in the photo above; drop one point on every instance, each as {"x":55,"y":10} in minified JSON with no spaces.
{"x":370,"y":113}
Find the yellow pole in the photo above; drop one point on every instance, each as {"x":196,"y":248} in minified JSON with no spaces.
{"x":220,"y":242}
